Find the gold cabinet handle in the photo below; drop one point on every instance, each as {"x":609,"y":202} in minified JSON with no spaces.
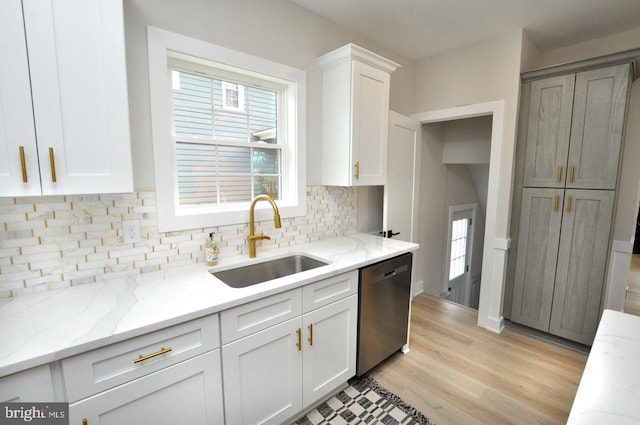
{"x":53,"y":165}
{"x":555,"y":206}
{"x":571,"y":173}
{"x":569,"y":204}
{"x":559,"y":172}
{"x":357,"y":175}
{"x":310,"y":339}
{"x":23,"y":163}
{"x":85,"y":421}
{"x":162,"y":351}
{"x":299,"y":344}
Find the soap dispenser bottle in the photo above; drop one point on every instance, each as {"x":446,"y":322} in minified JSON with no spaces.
{"x":211,"y":250}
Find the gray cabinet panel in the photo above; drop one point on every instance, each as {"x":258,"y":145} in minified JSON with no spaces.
{"x":538,"y":240}
{"x":596,"y":132}
{"x":582,"y":258}
{"x":548,"y":131}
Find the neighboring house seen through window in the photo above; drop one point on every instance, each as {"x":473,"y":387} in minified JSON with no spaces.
{"x":224,"y":157}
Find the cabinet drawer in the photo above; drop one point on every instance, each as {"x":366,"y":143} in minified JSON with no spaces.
{"x":326,"y":291}
{"x":255,"y":316}
{"x":95,"y":371}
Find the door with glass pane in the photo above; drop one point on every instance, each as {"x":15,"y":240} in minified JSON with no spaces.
{"x":460,"y":243}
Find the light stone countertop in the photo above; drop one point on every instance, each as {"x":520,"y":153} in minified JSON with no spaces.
{"x":609,"y":391}
{"x":41,"y":328}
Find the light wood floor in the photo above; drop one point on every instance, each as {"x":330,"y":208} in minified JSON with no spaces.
{"x":458,"y":373}
{"x":632,"y":298}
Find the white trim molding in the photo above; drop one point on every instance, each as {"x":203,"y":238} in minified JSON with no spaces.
{"x":619,"y":264}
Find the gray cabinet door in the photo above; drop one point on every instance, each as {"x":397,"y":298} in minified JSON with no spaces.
{"x":548,"y":131}
{"x":537,"y":253}
{"x":597,"y":127}
{"x":582,"y":257}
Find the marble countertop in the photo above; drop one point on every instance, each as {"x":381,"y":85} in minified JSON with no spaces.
{"x":45,"y":327}
{"x":610,"y":386}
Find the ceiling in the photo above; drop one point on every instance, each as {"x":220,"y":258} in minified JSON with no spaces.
{"x":420,"y":28}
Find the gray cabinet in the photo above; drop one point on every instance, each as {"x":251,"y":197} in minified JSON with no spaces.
{"x":582,"y":258}
{"x":596,"y":131}
{"x":538,"y":241}
{"x":560,"y":268}
{"x":549,"y":131}
{"x":569,"y":150}
{"x":575,"y":127}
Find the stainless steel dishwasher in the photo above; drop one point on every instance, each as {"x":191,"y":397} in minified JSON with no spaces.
{"x":383,"y":310}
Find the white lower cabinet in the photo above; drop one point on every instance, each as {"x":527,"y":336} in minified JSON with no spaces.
{"x":262,"y":375}
{"x":330,"y":348}
{"x":34,"y":385}
{"x":271,"y":375}
{"x":186,"y":393}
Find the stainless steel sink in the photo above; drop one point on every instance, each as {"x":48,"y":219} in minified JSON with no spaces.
{"x":243,"y":276}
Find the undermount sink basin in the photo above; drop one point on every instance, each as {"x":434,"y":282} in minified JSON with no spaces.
{"x":243,"y":276}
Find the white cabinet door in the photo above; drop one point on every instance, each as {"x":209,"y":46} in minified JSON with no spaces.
{"x":329,"y":348}
{"x":186,"y":393}
{"x":263,"y":375}
{"x":355,"y":92}
{"x":17,"y":134}
{"x":79,"y":86}
{"x":32,"y":385}
{"x":370,"y":125}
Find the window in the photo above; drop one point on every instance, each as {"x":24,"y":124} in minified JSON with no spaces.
{"x":223,"y":157}
{"x":228,"y":126}
{"x":232,"y":96}
{"x":458,"y":257}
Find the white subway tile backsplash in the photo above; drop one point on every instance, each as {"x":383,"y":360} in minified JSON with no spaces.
{"x":60,"y":241}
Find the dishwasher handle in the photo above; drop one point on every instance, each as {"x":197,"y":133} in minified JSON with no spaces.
{"x":379,"y":277}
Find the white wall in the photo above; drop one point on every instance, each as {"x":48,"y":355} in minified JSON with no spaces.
{"x":467,"y":141}
{"x":278,"y":30}
{"x":429,"y":259}
{"x":484,"y":76}
{"x":590,"y":49}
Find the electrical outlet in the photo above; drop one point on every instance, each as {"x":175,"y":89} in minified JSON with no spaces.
{"x":131,"y":231}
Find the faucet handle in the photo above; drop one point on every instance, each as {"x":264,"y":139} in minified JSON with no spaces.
{"x":258,"y":237}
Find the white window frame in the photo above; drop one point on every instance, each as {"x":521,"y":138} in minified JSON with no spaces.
{"x":171,"y":216}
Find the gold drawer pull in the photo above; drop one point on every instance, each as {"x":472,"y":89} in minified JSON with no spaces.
{"x":299,"y":344}
{"x":23,"y":163}
{"x":569,"y":204}
{"x":571,"y":173}
{"x":150,"y":356}
{"x":53,"y":165}
{"x":555,"y":206}
{"x":310,"y":339}
{"x":85,"y":421}
{"x":357,"y":176}
{"x":559,"y":172}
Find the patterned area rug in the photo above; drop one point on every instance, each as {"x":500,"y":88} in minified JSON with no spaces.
{"x":364,"y":401}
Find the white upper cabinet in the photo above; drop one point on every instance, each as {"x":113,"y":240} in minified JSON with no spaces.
{"x":73,"y":96}
{"x":17,"y":134}
{"x":355,"y":115}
